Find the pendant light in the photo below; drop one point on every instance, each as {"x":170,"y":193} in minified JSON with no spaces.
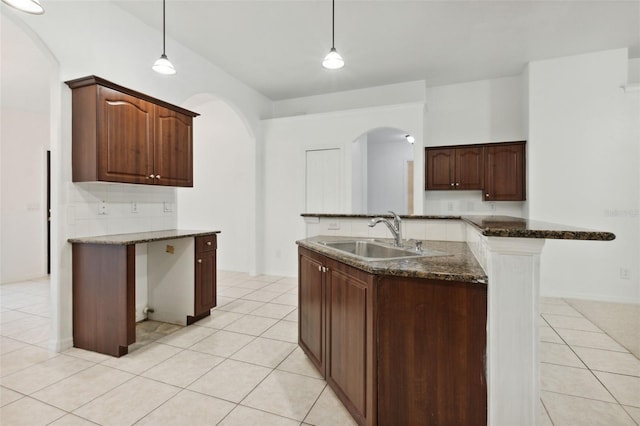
{"x":29,"y":6}
{"x":163,"y":65}
{"x":333,"y":60}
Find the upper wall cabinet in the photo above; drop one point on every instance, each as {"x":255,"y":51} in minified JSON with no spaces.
{"x":454,"y":168}
{"x":504,"y":172}
{"x":498,"y":169}
{"x":120,"y":135}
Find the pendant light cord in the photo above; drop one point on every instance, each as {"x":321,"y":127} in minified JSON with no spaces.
{"x":333,"y":24}
{"x":164,"y":14}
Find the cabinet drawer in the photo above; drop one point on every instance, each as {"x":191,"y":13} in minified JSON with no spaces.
{"x":206,"y":243}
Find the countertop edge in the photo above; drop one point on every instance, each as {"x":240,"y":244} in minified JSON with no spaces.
{"x":140,"y":237}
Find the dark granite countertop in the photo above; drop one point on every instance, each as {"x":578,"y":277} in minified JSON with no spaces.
{"x":140,"y":237}
{"x":458,"y":265}
{"x":505,"y":226}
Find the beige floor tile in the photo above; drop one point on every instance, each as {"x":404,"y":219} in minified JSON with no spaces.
{"x":267,"y":278}
{"x":609,"y":361}
{"x":552,"y":301}
{"x":299,"y":363}
{"x":219,"y":319}
{"x":544,"y":419}
{"x":262,"y":295}
{"x":34,"y":335}
{"x":566,"y":410}
{"x":245,"y":416}
{"x":8,"y":316}
{"x":77,"y":390}
{"x":548,"y":334}
{"x":293,"y":316}
{"x":287,"y":299}
{"x":127,"y":403}
{"x":273,"y":310}
{"x":223,"y":343}
{"x":231,"y":380}
{"x":634,"y":412}
{"x":329,"y":411}
{"x":183,"y":368}
{"x":44,"y":374}
{"x":72,"y":420}
{"x":289,"y":280}
{"x":572,"y":381}
{"x":250,"y":324}
{"x":15,"y":328}
{"x":8,"y":344}
{"x":283,"y":330}
{"x":188,"y":408}
{"x":242,"y":306}
{"x":286,"y":394}
{"x":222,"y":301}
{"x":281,"y":286}
{"x":252,"y":284}
{"x":29,"y":412}
{"x":187,"y":336}
{"x":265,"y":352}
{"x":7,"y":396}
{"x":589,"y":340}
{"x":559,"y":309}
{"x":40,"y":309}
{"x":234,"y":292}
{"x":143,"y":358}
{"x":561,"y":354}
{"x":23,"y":358}
{"x":626,"y":389}
{"x":570,"y":323}
{"x":87,"y":355}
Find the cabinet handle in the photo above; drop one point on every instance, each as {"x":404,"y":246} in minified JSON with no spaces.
{"x":151,"y":176}
{"x":199,"y":260}
{"x":319,"y":268}
{"x":325,"y":269}
{"x":208,"y":243}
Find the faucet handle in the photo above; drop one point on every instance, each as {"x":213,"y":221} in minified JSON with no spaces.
{"x":419,"y":246}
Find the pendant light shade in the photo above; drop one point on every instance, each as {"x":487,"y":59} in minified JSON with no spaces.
{"x":29,"y":6}
{"x":163,"y":65}
{"x":333,"y":60}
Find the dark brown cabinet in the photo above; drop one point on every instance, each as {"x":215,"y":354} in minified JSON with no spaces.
{"x":454,"y":168}
{"x":120,"y":135}
{"x":505,"y":172}
{"x":395,"y":350}
{"x":205,"y":277}
{"x":498,"y":169}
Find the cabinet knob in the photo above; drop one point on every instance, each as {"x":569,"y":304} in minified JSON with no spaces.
{"x":157,"y":176}
{"x":319,"y":268}
{"x":208,"y":243}
{"x":199,"y":260}
{"x":152,"y":176}
{"x":457,"y":183}
{"x":452,"y":184}
{"x":486,"y":195}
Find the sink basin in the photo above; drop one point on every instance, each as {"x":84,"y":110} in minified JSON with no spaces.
{"x":370,"y":251}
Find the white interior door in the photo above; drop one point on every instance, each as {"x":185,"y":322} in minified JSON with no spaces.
{"x":323,"y":181}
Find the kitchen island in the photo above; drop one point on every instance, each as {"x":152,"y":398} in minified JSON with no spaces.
{"x":505,"y":263}
{"x":181,"y":273}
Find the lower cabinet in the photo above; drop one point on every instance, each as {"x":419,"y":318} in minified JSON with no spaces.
{"x":205,"y":277}
{"x":396,"y":351}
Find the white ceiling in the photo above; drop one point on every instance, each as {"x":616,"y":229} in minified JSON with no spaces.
{"x":277,"y":46}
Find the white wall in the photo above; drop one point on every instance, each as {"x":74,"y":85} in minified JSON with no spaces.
{"x":222,"y":194}
{"x":285,"y":141}
{"x":108,"y":42}
{"x":472,"y":113}
{"x":359,"y":175}
{"x":584,"y":138}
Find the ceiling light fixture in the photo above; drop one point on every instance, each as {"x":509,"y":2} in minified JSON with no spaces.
{"x":163,"y":65}
{"x":333,"y":60}
{"x":29,"y":6}
{"x":410,"y":138}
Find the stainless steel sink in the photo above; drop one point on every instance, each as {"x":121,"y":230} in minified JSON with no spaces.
{"x":369,"y":250}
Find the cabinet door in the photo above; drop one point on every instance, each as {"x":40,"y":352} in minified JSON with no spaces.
{"x":505,"y":172}
{"x":205,"y":281}
{"x":311,"y":328}
{"x":126,"y":138}
{"x":173,"y":150}
{"x":440,"y":168}
{"x":469,"y":168}
{"x":350,"y":340}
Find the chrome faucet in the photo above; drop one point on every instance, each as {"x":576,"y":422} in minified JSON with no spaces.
{"x":394,"y":227}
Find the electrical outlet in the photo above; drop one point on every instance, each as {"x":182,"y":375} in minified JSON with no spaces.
{"x":334,"y":226}
{"x":450,"y":206}
{"x":134,"y":207}
{"x":167,"y":206}
{"x":102,"y":208}
{"x":492,"y":206}
{"x":625,"y":274}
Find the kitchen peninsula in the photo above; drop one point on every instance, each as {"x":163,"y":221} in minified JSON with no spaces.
{"x":450,"y":338}
{"x":181,"y":273}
